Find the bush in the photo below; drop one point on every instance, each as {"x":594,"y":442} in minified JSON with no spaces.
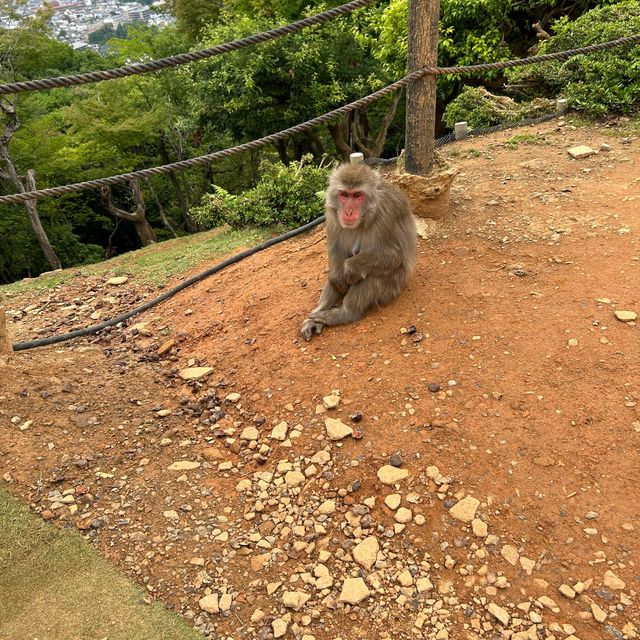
{"x":286,"y":197}
{"x":596,"y":83}
{"x":479,"y":108}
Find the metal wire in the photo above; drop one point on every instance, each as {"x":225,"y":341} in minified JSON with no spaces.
{"x":182,"y":58}
{"x":18,"y":198}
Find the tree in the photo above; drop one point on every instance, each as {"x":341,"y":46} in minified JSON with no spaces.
{"x":137,"y":216}
{"x":283,"y":82}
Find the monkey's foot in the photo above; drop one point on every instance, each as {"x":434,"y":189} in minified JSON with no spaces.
{"x":309,"y":327}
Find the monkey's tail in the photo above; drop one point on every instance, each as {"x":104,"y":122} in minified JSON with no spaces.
{"x":42,"y":342}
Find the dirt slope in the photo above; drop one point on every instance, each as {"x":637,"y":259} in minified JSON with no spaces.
{"x":537,"y":417}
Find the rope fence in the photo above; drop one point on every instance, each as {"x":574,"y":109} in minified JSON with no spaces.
{"x":182,"y":58}
{"x":18,"y":198}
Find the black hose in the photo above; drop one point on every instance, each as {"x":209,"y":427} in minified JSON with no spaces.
{"x":23,"y":346}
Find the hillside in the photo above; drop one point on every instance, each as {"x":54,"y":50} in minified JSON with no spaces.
{"x":522,"y":394}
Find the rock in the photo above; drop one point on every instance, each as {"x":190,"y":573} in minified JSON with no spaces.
{"x":183,"y":465}
{"x":327,"y":507}
{"x":405,"y":578}
{"x":423,"y":585}
{"x":500,"y":614}
{"x":295,"y":599}
{"x":391,"y":475}
{"x":612,"y":581}
{"x":626,"y":316}
{"x":210,"y":603}
{"x":479,"y":528}
{"x":465,"y":510}
{"x":527,"y":564}
{"x":195,"y":373}
{"x":598,"y":613}
{"x":118,"y":280}
{"x":403,"y":515}
{"x":510,"y":554}
{"x":393,"y":501}
{"x":331,"y":402}
{"x":279,"y":627}
{"x":171,"y":515}
{"x":581,"y":151}
{"x":259,"y":562}
{"x":225,"y":601}
{"x":233,"y":397}
{"x":354,"y":591}
{"x":294,"y":478}
{"x":163,"y":413}
{"x":165,"y":347}
{"x":279,"y":432}
{"x":336,"y":429}
{"x":249,"y":433}
{"x":395,"y":460}
{"x":366,"y":553}
{"x":567,"y":591}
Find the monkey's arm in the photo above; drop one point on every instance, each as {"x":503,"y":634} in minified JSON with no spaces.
{"x":365,"y":263}
{"x":329,"y":297}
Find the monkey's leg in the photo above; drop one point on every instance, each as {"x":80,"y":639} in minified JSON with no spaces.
{"x":329,"y":297}
{"x":363,"y":295}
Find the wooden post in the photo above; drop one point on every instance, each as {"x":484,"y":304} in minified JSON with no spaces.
{"x":5,"y":343}
{"x":420,"y":123}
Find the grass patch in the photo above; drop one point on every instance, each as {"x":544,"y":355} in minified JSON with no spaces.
{"x":525,"y":138}
{"x":156,"y":264}
{"x":54,"y":586}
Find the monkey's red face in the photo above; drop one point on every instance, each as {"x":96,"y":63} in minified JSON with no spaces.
{"x":350,"y":203}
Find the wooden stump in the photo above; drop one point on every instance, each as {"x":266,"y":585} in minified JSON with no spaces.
{"x":428,"y":195}
{"x":5,"y":343}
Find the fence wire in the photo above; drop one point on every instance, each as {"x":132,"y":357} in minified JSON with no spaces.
{"x":18,"y":198}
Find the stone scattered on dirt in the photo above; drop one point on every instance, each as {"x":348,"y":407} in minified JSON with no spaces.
{"x":354,"y":591}
{"x":392,"y":475}
{"x":336,"y":429}
{"x":465,"y":509}
{"x":581,"y":151}
{"x":195,"y":373}
{"x":626,"y":316}
{"x":117,"y":280}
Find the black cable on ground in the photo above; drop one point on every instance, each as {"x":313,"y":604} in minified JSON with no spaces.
{"x":42,"y":342}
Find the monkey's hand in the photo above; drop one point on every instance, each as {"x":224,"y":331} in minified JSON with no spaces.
{"x":309,"y":327}
{"x":353,"y":271}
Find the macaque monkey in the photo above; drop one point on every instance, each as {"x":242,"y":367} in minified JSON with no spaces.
{"x":371,"y":242}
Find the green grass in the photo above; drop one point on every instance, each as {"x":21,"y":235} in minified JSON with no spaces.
{"x":54,"y":586}
{"x":525,"y":138}
{"x":156,"y":264}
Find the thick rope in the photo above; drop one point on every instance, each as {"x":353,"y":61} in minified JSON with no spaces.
{"x":182,"y":58}
{"x":18,"y":198}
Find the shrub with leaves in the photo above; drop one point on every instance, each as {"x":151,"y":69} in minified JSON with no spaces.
{"x":479,"y":108}
{"x":597,"y":83}
{"x":286,"y":197}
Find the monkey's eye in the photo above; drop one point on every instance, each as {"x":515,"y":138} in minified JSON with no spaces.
{"x":343,"y":194}
{"x":357,"y":194}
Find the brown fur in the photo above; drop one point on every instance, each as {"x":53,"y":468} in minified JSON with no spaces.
{"x":384,"y":240}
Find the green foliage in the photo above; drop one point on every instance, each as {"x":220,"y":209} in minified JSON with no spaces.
{"x":278,"y":84}
{"x":286,"y":197}
{"x":597,"y":83}
{"x":106,"y":32}
{"x":479,"y":108}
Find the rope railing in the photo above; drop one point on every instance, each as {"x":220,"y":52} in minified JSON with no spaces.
{"x":181,"y":58}
{"x":18,"y":198}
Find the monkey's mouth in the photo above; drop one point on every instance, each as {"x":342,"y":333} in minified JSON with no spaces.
{"x":350,"y":219}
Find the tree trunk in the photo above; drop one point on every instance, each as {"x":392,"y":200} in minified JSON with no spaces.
{"x":281,"y":146}
{"x":36,"y":224}
{"x":340,"y":133}
{"x":189,"y":222}
{"x":163,"y":215}
{"x":12,"y":124}
{"x":421,"y":94}
{"x":143,"y":228}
